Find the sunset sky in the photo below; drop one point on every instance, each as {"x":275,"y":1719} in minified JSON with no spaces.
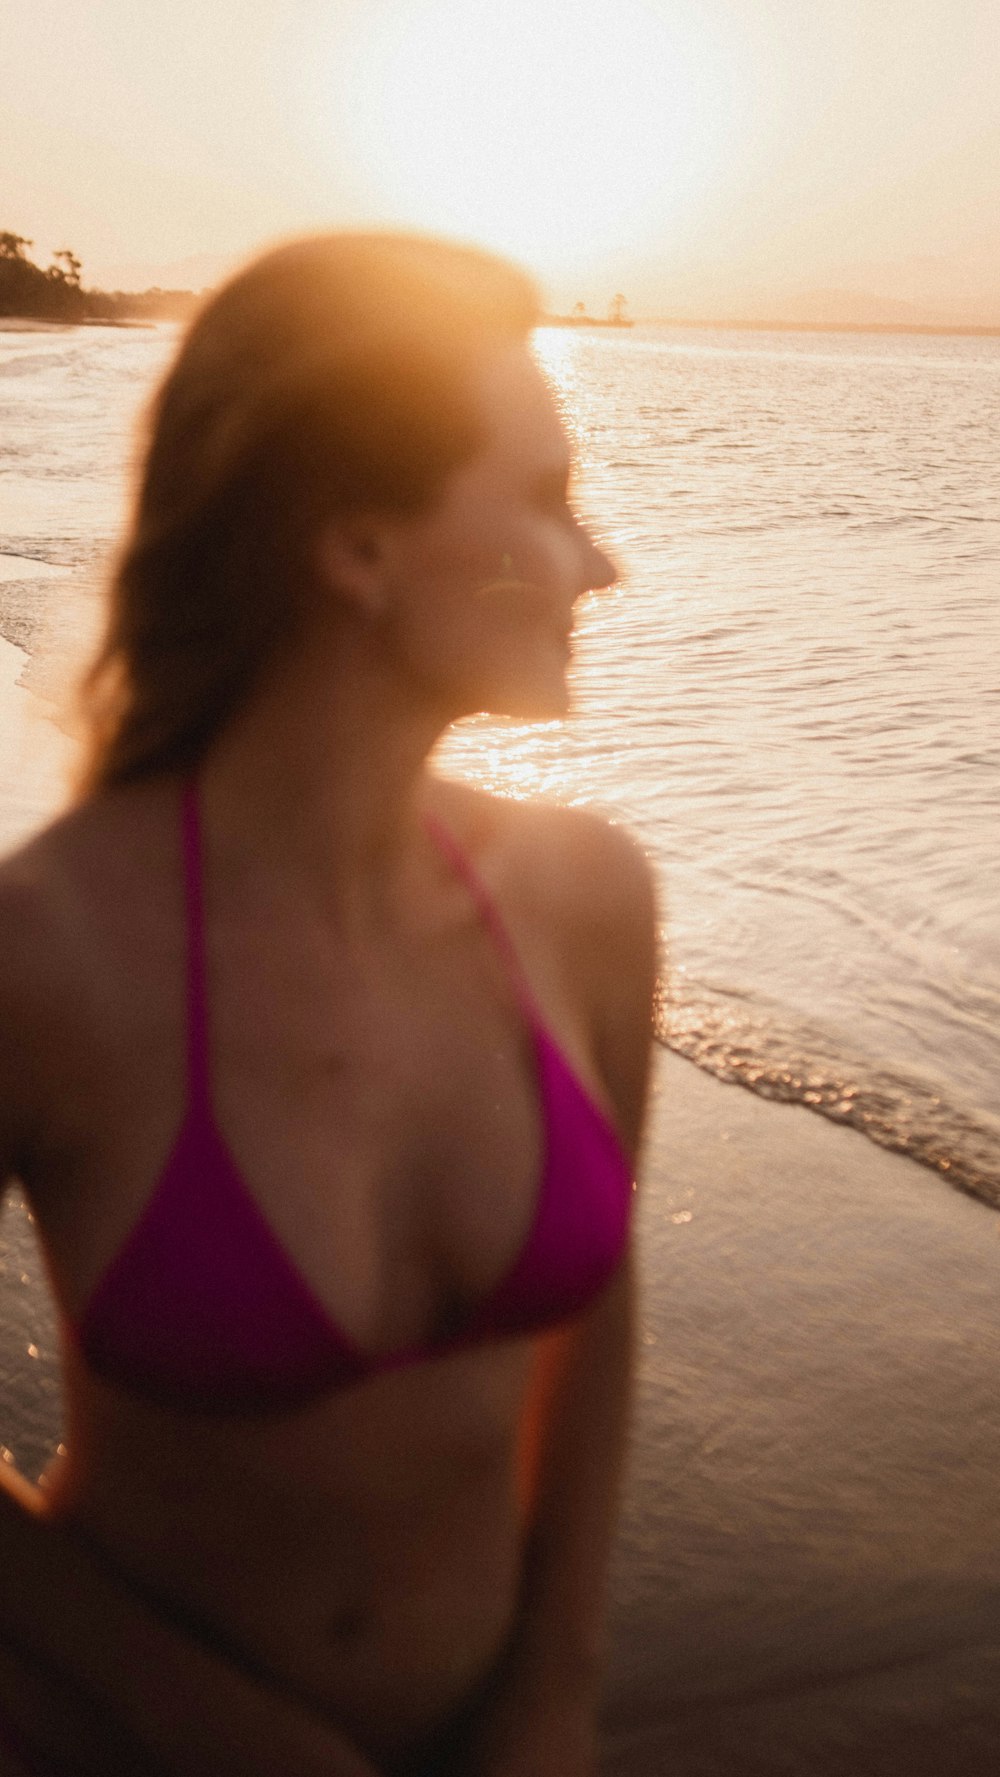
{"x":778,"y":158}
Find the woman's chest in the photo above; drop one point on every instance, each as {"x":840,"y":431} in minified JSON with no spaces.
{"x":391,"y":1140}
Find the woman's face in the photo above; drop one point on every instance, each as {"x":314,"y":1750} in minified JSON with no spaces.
{"x":479,"y":590}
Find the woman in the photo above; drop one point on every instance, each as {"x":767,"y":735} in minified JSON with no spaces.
{"x":325,"y":1074}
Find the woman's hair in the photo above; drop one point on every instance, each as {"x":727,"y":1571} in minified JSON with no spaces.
{"x":332,"y":374}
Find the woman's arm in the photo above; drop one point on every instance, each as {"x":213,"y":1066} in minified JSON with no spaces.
{"x":92,"y":1680}
{"x":89,"y":1675}
{"x":541,"y":1717}
{"x":541,"y":1720}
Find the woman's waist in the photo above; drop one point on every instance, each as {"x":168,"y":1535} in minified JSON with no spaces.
{"x":369,"y":1622}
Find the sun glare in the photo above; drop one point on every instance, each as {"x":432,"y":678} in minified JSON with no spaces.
{"x":559,"y":132}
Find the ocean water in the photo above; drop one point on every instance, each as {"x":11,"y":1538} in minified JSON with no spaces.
{"x":792,"y":694}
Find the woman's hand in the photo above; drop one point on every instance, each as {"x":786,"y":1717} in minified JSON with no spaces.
{"x":55,"y":1726}
{"x":517,"y":1737}
{"x":230,"y":1726}
{"x":93,"y":1680}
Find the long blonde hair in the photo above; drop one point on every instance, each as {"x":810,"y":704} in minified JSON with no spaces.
{"x":330,"y":374}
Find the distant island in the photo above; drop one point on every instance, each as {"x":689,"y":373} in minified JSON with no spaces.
{"x":900,"y":318}
{"x":616,"y":316}
{"x":56,"y":293}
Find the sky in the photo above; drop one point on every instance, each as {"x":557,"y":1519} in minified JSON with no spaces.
{"x":799,"y":159}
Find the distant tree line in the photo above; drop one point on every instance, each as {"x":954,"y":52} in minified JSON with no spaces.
{"x":57,"y":293}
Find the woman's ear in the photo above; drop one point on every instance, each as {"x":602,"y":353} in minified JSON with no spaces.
{"x":351,"y":557}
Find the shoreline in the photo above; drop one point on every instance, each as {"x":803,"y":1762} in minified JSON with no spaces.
{"x":25,"y":324}
{"x":970,"y":1164}
{"x":30,"y":324}
{"x":35,"y":324}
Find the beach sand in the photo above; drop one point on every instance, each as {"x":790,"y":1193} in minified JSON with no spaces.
{"x":807,"y":1574}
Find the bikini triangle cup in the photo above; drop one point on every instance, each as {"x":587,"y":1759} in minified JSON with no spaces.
{"x":203,"y":1310}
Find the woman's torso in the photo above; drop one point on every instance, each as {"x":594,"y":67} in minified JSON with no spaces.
{"x":364,"y":1546}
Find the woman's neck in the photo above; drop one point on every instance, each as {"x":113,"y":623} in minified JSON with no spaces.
{"x":324,"y":777}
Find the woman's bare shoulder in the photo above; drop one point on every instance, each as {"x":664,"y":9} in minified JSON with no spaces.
{"x":59,"y":893}
{"x":574,"y":864}
{"x":581,"y":895}
{"x":34,"y":891}
{"x":87,"y":854}
{"x":43,"y":911}
{"x":48,"y":883}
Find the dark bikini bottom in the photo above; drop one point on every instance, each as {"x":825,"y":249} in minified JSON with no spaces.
{"x":25,"y":1761}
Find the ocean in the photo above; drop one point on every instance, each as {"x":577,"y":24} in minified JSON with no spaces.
{"x":792,"y":695}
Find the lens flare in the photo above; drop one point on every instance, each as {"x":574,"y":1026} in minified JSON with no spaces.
{"x":556,"y":132}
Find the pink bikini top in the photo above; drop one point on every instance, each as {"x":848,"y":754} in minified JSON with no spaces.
{"x":203,"y":1310}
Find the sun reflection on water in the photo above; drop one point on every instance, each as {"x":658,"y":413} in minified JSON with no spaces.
{"x":516,"y":759}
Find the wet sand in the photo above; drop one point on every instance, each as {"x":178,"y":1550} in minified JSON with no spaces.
{"x":807,"y":1578}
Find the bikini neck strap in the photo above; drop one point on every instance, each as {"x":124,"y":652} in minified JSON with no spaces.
{"x":198,"y":1074}
{"x":488,"y":912}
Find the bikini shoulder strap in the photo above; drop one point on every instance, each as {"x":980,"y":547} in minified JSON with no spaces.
{"x":194,"y":921}
{"x":487,"y":910}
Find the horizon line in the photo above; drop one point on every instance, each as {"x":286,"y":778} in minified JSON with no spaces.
{"x":990,"y":330}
